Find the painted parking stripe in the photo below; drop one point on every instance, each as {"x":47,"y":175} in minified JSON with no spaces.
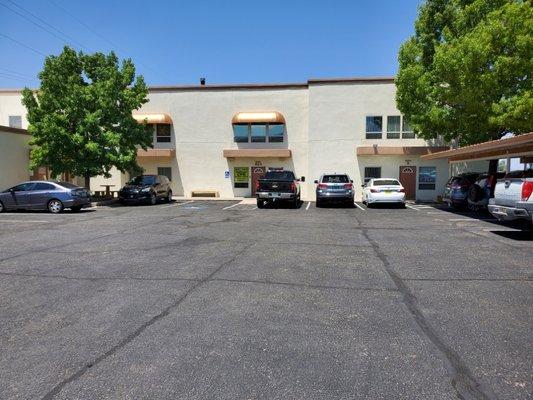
{"x":411,"y":207}
{"x":28,"y":221}
{"x":233,"y":205}
{"x":360,"y":207}
{"x":308,"y":205}
{"x":471,"y":219}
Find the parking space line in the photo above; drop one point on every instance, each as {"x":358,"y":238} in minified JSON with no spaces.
{"x":26,"y":221}
{"x":411,"y":207}
{"x":358,"y":206}
{"x":308,"y":205}
{"x":471,"y":219}
{"x":233,"y":205}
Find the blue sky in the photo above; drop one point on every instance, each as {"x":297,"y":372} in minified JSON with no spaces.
{"x":177,"y":42}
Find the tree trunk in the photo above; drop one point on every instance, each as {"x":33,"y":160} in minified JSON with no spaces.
{"x":493,"y":166}
{"x":88,"y":182}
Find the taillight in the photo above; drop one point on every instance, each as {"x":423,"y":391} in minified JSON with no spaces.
{"x":348,"y":186}
{"x":375,"y":190}
{"x":527,"y":189}
{"x":293,"y":186}
{"x":257,"y":185}
{"x":401,"y":190}
{"x":322,"y":186}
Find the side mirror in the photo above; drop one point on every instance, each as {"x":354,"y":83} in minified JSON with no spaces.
{"x":11,"y":190}
{"x":363,"y":186}
{"x":351,"y":180}
{"x":316,"y":182}
{"x":302,"y":178}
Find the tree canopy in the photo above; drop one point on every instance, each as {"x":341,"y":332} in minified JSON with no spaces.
{"x":81,"y":116}
{"x":466,"y":74}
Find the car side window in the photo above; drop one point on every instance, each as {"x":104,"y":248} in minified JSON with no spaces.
{"x":23,"y":187}
{"x":43,"y":186}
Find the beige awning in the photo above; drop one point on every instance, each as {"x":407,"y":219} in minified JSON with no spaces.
{"x":153,"y":118}
{"x":516,"y":146}
{"x":257,"y":153}
{"x":162,"y":153}
{"x":271,"y":117}
{"x":397,"y":150}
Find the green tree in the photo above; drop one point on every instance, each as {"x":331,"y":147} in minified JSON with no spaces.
{"x":466,"y":74}
{"x":81,"y":116}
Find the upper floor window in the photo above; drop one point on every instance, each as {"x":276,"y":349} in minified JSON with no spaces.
{"x":393,"y":127}
{"x":407,"y":131}
{"x":162,"y":133}
{"x":374,"y":127}
{"x":15,"y":121}
{"x":258,"y":133}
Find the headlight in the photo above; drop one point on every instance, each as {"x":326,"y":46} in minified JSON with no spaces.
{"x":145,"y":190}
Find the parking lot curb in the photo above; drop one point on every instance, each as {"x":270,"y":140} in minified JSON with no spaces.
{"x":104,"y":202}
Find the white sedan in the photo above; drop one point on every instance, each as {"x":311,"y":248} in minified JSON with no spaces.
{"x":383,"y":190}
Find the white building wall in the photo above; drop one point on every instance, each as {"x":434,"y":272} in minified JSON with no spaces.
{"x":14,"y":158}
{"x":10,"y":104}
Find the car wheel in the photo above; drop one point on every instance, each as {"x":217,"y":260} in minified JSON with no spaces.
{"x":169,"y":196}
{"x":55,"y":206}
{"x":318,"y":203}
{"x":295,"y":202}
{"x":260,"y":203}
{"x":75,"y":209}
{"x":2,"y":208}
{"x":153,"y":199}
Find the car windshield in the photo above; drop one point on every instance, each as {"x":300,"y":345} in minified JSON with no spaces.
{"x":280,"y":175}
{"x":335,"y":179}
{"x":386,"y":182}
{"x":143,"y":180}
{"x":67,"y":185}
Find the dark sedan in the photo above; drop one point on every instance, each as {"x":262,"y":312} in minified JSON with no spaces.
{"x":44,"y":195}
{"x":146,"y":189}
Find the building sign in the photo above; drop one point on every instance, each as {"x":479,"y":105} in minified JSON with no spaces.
{"x":241,"y":174}
{"x":226,"y":174}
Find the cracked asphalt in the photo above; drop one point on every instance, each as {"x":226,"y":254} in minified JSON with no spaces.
{"x":191,"y":301}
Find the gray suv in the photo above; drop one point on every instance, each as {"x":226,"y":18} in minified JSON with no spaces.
{"x":44,"y":195}
{"x":334,"y":188}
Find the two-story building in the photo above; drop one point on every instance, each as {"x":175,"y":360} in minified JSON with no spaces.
{"x":218,"y":139}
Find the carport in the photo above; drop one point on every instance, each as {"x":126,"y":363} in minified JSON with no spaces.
{"x":513,"y":147}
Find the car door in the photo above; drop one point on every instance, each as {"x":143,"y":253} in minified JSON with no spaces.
{"x":20,"y":195}
{"x":40,"y":194}
{"x":159,"y":187}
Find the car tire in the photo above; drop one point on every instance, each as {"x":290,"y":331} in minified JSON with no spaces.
{"x":153,"y":199}
{"x":75,"y":209}
{"x":169,"y":196}
{"x":318,"y":203}
{"x":2,"y":207}
{"x":55,"y":206}
{"x":260,"y":203}
{"x":296,"y":202}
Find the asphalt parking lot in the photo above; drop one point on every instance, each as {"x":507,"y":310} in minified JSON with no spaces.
{"x":220,"y":300}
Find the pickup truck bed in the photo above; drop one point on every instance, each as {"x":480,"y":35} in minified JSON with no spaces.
{"x":276,"y":186}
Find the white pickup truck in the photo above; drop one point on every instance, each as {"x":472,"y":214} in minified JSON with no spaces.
{"x":513,"y":197}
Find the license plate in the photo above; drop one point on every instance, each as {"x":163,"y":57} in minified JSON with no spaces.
{"x":388,"y":191}
{"x":274,"y":194}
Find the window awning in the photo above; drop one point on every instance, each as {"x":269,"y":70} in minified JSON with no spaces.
{"x":256,"y":153}
{"x":160,"y":153}
{"x":153,"y":118}
{"x":271,"y":117}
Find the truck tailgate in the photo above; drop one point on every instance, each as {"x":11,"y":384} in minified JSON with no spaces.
{"x":508,"y":191}
{"x":268,"y":185}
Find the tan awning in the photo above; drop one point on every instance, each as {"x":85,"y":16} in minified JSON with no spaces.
{"x":163,"y":153}
{"x":257,"y":153}
{"x":271,"y":117}
{"x":397,"y":150}
{"x":153,"y":118}
{"x":516,"y":146}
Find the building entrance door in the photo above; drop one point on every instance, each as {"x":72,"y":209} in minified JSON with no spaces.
{"x":408,"y":180}
{"x":257,"y":172}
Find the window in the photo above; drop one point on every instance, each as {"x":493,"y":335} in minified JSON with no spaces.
{"x":275,"y":133}
{"x":240,"y":133}
{"x":407,"y":131}
{"x":43,"y":186}
{"x":258,"y":133}
{"x":165,"y":171}
{"x":427,"y":177}
{"x":386,"y":182}
{"x":23,"y":187}
{"x":162,"y":133}
{"x":372,"y":172}
{"x":335,"y":179}
{"x":393,"y":127}
{"x":241,"y":177}
{"x":374,"y":127}
{"x":15,"y":121}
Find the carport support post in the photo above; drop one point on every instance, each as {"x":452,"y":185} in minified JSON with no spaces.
{"x":508,"y":165}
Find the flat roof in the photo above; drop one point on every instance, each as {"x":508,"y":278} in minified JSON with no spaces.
{"x":515,"y":146}
{"x":10,"y":129}
{"x":251,"y":86}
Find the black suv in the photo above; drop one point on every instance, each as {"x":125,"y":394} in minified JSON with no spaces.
{"x":146,"y":189}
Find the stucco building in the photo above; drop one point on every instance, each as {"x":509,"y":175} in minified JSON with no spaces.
{"x":217,"y":139}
